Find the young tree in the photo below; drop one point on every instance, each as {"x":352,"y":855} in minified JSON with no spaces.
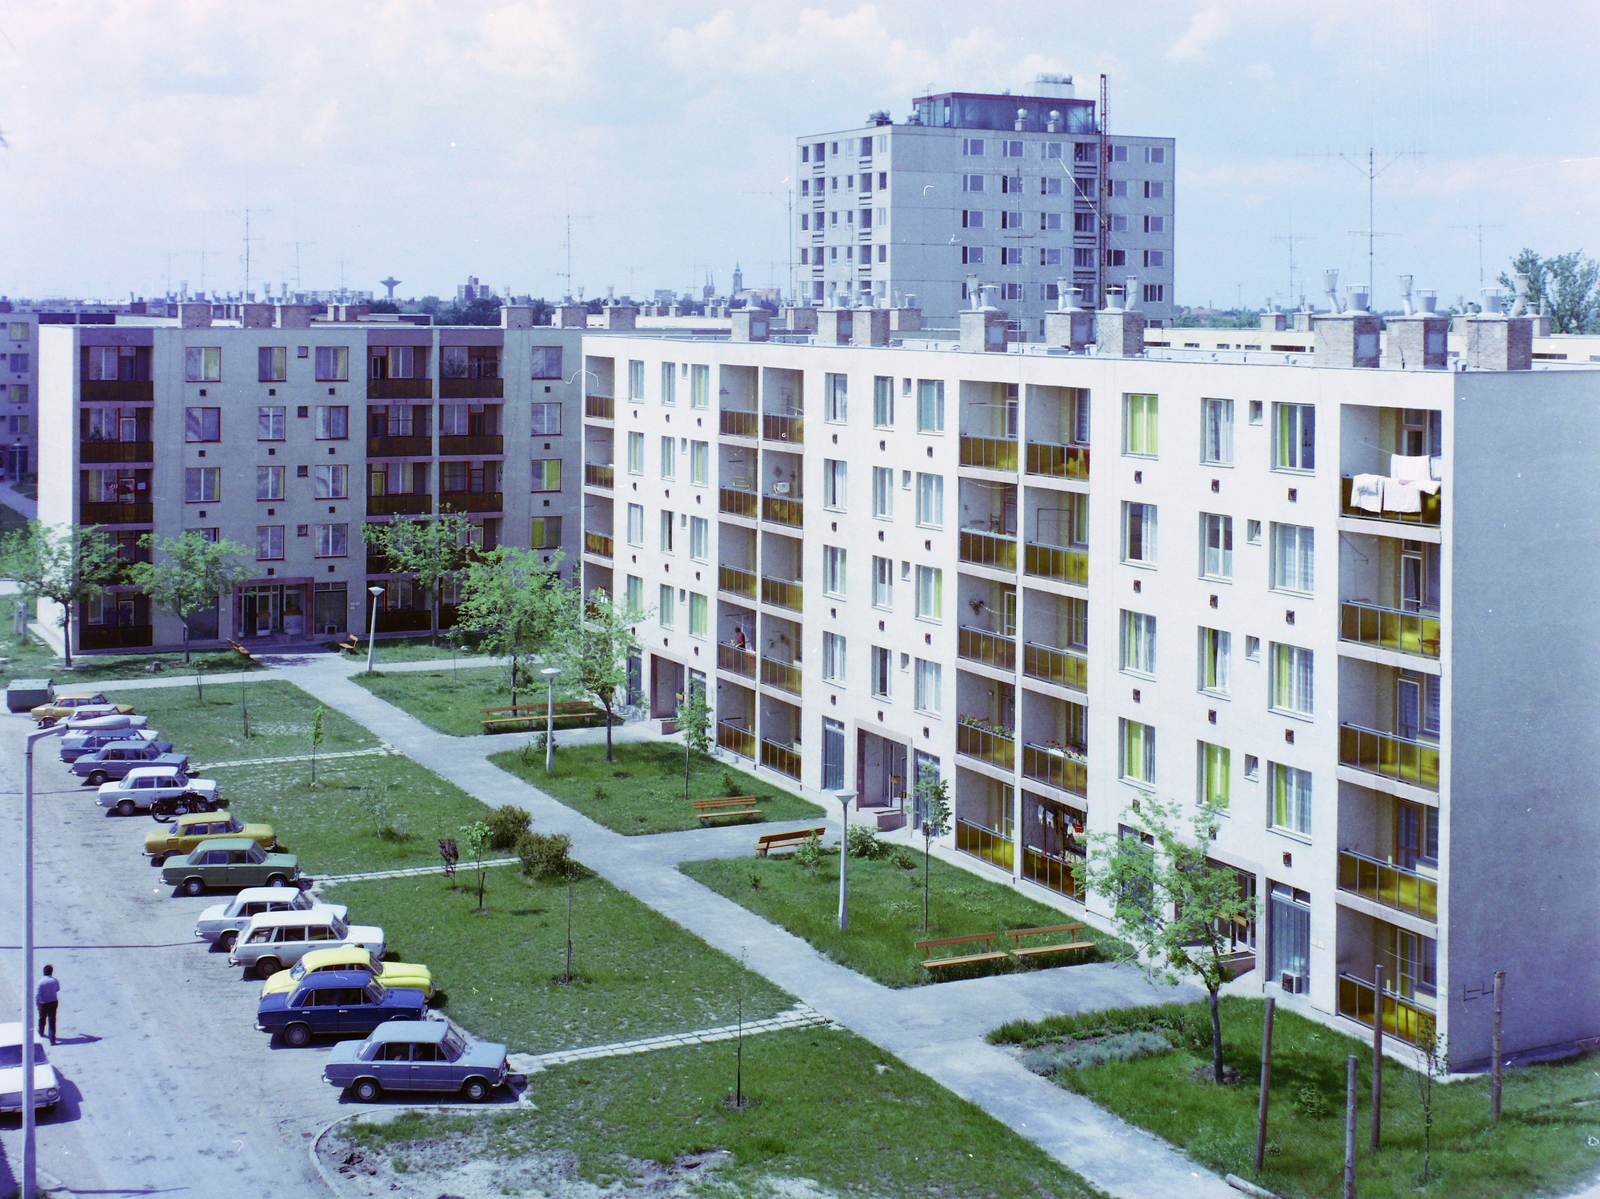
{"x":1567,"y":281}
{"x":933,"y":798}
{"x":477,"y":837}
{"x":595,"y":658}
{"x":187,"y":574}
{"x":316,"y":741}
{"x":694,"y":722}
{"x":1171,"y":903}
{"x":429,"y":549}
{"x":515,"y":602}
{"x":65,"y":565}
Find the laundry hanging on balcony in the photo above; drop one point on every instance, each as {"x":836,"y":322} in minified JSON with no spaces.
{"x":1409,"y":479}
{"x":1366,"y":493}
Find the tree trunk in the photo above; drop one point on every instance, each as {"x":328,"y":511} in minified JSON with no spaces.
{"x":199,"y":690}
{"x":1216,"y":1038}
{"x":185,"y":620}
{"x":513,"y":680}
{"x":66,"y":634}
{"x":686,"y":752}
{"x":433,"y":632}
{"x":927,"y":845}
{"x":607,"y":704}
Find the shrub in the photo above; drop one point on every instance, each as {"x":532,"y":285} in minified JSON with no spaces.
{"x":506,"y":824}
{"x":730,"y":786}
{"x":600,"y":794}
{"x":544,"y":855}
{"x":862,"y":842}
{"x":904,"y":860}
{"x":1312,"y":1104}
{"x":1118,"y":1047}
{"x":809,"y":855}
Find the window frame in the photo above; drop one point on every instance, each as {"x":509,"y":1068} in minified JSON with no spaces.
{"x":1141,"y":746}
{"x":1137,"y":651}
{"x":1141,"y":425}
{"x":1216,"y":427}
{"x":1294,"y":439}
{"x":1222,"y":525}
{"x":1139,"y":523}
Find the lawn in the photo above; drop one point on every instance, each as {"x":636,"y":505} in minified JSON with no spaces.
{"x":822,"y":1105}
{"x":642,"y":791}
{"x":448,"y":699}
{"x":638,"y":974}
{"x":885,"y":909}
{"x":1544,"y":1143}
{"x":211,"y":729}
{"x":34,"y":659}
{"x":417,"y":649}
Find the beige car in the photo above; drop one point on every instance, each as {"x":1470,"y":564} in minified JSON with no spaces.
{"x":63,"y":706}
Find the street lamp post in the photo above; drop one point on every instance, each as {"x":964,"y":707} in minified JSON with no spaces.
{"x":550,"y":673}
{"x":30,"y":1154}
{"x":372,"y":626}
{"x":844,"y":857}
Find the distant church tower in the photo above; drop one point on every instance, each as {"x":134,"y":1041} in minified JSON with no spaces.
{"x":738,"y":279}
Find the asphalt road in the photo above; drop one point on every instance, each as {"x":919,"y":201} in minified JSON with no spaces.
{"x":168,"y":1087}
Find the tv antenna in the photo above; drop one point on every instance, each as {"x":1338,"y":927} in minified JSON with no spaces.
{"x":787,"y":196}
{"x":1371,"y":169}
{"x":1478,"y":229}
{"x":245,"y":295}
{"x":1289,"y":239}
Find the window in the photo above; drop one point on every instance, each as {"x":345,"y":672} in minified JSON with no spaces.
{"x":1252,"y":767}
{"x":700,"y":463}
{"x":666,"y":531}
{"x":455,"y":420}
{"x":546,"y":420}
{"x":833,"y":570}
{"x":972,"y":183}
{"x":1050,"y":221}
{"x":835,"y":398}
{"x":699,"y":538}
{"x":1082,"y":258}
{"x":930,"y":405}
{"x":669,"y":383}
{"x":930,"y":500}
{"x":972,"y":147}
{"x":1214,"y":775}
{"x":1154,"y":190}
{"x":636,"y":453}
{"x":1050,"y":185}
{"x":879,"y":659}
{"x":269,"y":482}
{"x":202,"y":485}
{"x":1138,"y":752}
{"x":929,"y":680}
{"x":1291,"y":679}
{"x":202,"y":424}
{"x":635,"y":524}
{"x":1252,"y":532}
{"x":546,"y":362}
{"x":699,"y":387}
{"x":635,"y":380}
{"x":664,"y":607}
{"x":1155,"y":154}
{"x":333,"y":422}
{"x":19,"y":331}
{"x":635,"y":593}
{"x":833,"y":657}
{"x":269,"y":543}
{"x":332,"y":541}
{"x":1158,"y":258}
{"x":833,"y":483}
{"x":972,"y":255}
{"x":1139,"y":533}
{"x":1252,"y":649}
{"x":1154,"y":293}
{"x":697,"y":615}
{"x":972,"y":218}
{"x":1216,"y":540}
{"x":1138,"y":642}
{"x":1291,"y":798}
{"x":547,"y":474}
{"x":1011,"y":149}
{"x":203,"y":364}
{"x":272,"y":364}
{"x":269,"y":424}
{"x":1049,"y":257}
{"x":333,"y":364}
{"x":1214,"y":660}
{"x":883,"y":492}
{"x":1216,"y":432}
{"x":669,"y":457}
{"x":930,"y":593}
{"x":882,"y":582}
{"x":545,"y":533}
{"x":1139,"y":425}
{"x":1295,"y":445}
{"x":1293,"y":557}
{"x":1119,"y":188}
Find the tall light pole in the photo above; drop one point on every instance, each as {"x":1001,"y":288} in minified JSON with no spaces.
{"x":30,"y":1153}
{"x":844,"y":857}
{"x":550,"y":673}
{"x":372,"y":626}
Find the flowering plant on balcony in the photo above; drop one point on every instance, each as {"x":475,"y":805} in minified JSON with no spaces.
{"x":987,"y":726}
{"x":1072,"y":750}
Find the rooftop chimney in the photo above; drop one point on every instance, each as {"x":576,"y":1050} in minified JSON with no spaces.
{"x":983,"y":326}
{"x":571,"y":316}
{"x":1496,"y":341}
{"x":871,"y":327}
{"x":836,"y":326}
{"x":621,"y":316}
{"x":1118,"y":330}
{"x":194,"y":316}
{"x":1330,"y":288}
{"x":1347,"y":337}
{"x":1417,"y":340}
{"x":750,"y":324}
{"x":802,"y":319}
{"x":516,"y":316}
{"x":1070,"y":325}
{"x":906,"y":317}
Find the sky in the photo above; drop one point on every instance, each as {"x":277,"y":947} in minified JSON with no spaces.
{"x":654,"y":142}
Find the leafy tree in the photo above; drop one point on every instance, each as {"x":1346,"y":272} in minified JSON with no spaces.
{"x":933,"y":798}
{"x":65,"y":565}
{"x":1171,"y":904}
{"x":595,"y":657}
{"x":1568,"y":282}
{"x":429,"y":549}
{"x":515,"y":602}
{"x":383,"y":306}
{"x":187,"y":574}
{"x":694,"y":722}
{"x":477,"y":837}
{"x":473,"y":312}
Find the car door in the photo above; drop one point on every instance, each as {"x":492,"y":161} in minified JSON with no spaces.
{"x":291,"y":943}
{"x":214,"y":867}
{"x":323,"y":1013}
{"x":428,"y":1072}
{"x":356,"y":1014}
{"x":394,"y":1065}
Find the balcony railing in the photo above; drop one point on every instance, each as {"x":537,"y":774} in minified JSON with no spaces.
{"x":600,"y":407}
{"x":740,"y":424}
{"x":740,"y":740}
{"x":1390,"y":628}
{"x":93,"y":636}
{"x":987,"y":745}
{"x":739,"y":582}
{"x":399,"y":505}
{"x":1402,"y":1018}
{"x":114,"y":514}
{"x":125,"y":390}
{"x":992,"y":846}
{"x":1391,"y":885}
{"x":979,"y":645}
{"x":989,"y":549}
{"x":597,"y":543}
{"x":399,"y":389}
{"x":1430,"y":516}
{"x":1045,"y":764}
{"x":1389,"y":755}
{"x":472,"y":389}
{"x":739,"y":503}
{"x":782,"y":593}
{"x":596,"y":474}
{"x":989,"y":453}
{"x":783,"y":675}
{"x":782,"y":511}
{"x":783,"y":428}
{"x":785,"y":759}
{"x":471,"y":443}
{"x":739,"y":661}
{"x":1059,"y":666}
{"x":1058,"y":461}
{"x":1054,"y":562}
{"x":400,"y":447}
{"x":472,"y":501}
{"x":116,"y":451}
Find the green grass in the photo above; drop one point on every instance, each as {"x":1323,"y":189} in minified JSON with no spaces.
{"x":639,"y":974}
{"x":642,"y":792}
{"x":417,"y":649}
{"x":885,"y":910}
{"x":825,"y":1105}
{"x":211,"y":729}
{"x":1543,"y":1145}
{"x":448,"y":699}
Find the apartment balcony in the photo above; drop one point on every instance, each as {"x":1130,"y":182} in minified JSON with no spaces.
{"x":597,"y":474}
{"x":998,"y":747}
{"x":115,"y":514}
{"x":600,"y":407}
{"x":783,"y":428}
{"x":783,"y":511}
{"x":472,"y":389}
{"x":739,"y":740}
{"x":738,"y":503}
{"x":783,"y":675}
{"x":91,"y":636}
{"x":405,"y":620}
{"x":597,"y":543}
{"x":994,"y":550}
{"x":472,"y":501}
{"x":740,"y":424}
{"x":1059,"y":767}
{"x":785,"y":759}
{"x":1391,"y":885}
{"x":1059,"y":666}
{"x":1390,"y":755}
{"x":979,"y":645}
{"x":1057,"y":563}
{"x":474,"y":444}
{"x":407,"y":504}
{"x":781,"y":593}
{"x":400,"y":447}
{"x":1404,"y":1019}
{"x":738,"y":661}
{"x":122,"y":390}
{"x":989,"y":453}
{"x":1390,"y":628}
{"x":745,"y":583}
{"x":399,"y":389}
{"x":1430,"y":516}
{"x":116,"y":451}
{"x":1058,"y":461}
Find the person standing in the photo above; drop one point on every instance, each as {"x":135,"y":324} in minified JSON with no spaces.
{"x":45,"y":995}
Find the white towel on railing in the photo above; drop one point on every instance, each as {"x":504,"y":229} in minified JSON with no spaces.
{"x":1417,"y":470}
{"x":1400,"y":495}
{"x":1366,"y":493}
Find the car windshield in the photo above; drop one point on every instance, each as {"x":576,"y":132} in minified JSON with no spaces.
{"x":340,"y":929}
{"x":255,"y":854}
{"x":234,"y":825}
{"x":375,"y":992}
{"x":11,"y":1056}
{"x":453,"y":1045}
{"x":303,"y":902}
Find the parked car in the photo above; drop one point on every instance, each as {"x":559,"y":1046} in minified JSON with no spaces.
{"x":230,"y":862}
{"x":145,"y":786}
{"x":274,"y":940}
{"x":342,"y":1003}
{"x":423,"y":1055}
{"x":46,"y":1083}
{"x":188,"y":830}
{"x":115,"y":760}
{"x":76,"y":745}
{"x":221,"y":922}
{"x":65,"y":705}
{"x":101,"y":717}
{"x":351,"y":957}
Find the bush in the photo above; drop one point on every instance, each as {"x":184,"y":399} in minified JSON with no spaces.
{"x":904,"y":860}
{"x":862,"y":842}
{"x":1118,"y":1047}
{"x":1312,"y":1104}
{"x":506,"y":825}
{"x":809,"y":855}
{"x":544,"y":855}
{"x":730,"y":786}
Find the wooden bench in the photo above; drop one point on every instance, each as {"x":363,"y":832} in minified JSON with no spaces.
{"x":351,"y":643}
{"x":988,"y":955}
{"x":1050,"y":930}
{"x":519,"y":710}
{"x":535,"y":715}
{"x":786,"y":840}
{"x":241,"y":651}
{"x":735,"y":805}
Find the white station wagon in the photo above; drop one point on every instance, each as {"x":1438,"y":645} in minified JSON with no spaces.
{"x":144,"y":785}
{"x":221,"y":923}
{"x":274,"y":941}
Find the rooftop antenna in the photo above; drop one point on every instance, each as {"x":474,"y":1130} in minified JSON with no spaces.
{"x":1289,"y":239}
{"x":1479,"y":227}
{"x":1101,"y":186}
{"x":1371,"y":169}
{"x":245,"y":295}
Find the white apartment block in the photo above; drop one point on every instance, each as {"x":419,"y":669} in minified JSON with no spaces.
{"x":881,"y":557}
{"x":1013,"y":190}
{"x":286,"y":429}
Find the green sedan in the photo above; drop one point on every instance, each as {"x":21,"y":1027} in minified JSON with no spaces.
{"x":230,"y":862}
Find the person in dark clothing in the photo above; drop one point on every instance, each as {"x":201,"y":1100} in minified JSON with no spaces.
{"x":45,"y":995}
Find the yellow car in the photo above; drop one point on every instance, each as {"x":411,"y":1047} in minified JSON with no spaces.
{"x":63,"y":706}
{"x":410,"y":975}
{"x":185,"y":833}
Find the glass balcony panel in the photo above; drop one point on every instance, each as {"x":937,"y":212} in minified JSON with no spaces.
{"x":740,"y":740}
{"x":782,"y":511}
{"x":785,"y":759}
{"x":783,"y":428}
{"x":1048,"y":765}
{"x":739,"y":503}
{"x":988,"y":549}
{"x":597,"y":543}
{"x":1059,"y":666}
{"x":989,"y":453}
{"x":740,"y":582}
{"x":986,"y":745}
{"x":978,"y":645}
{"x":741,"y":424}
{"x":1432,"y":509}
{"x":1058,"y":461}
{"x":1389,"y":884}
{"x":596,"y":475}
{"x":783,"y":675}
{"x":1389,"y":755}
{"x":783,"y":593}
{"x":600,"y":407}
{"x":994,"y":848}
{"x":1402,"y":1018}
{"x":1405,"y":632}
{"x":739,"y":661}
{"x":1058,"y":563}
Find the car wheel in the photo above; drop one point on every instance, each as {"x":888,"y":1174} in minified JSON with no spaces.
{"x":366,"y":1090}
{"x":157,"y":859}
{"x":267,"y":967}
{"x":297,"y":1036}
{"x":194,"y":886}
{"x":96,"y":777}
{"x":475,"y":1090}
{"x":278,"y":880}
{"x":228,"y":940}
{"x":127,"y":808}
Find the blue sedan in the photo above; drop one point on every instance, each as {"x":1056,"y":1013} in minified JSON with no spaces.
{"x":336,"y":1003}
{"x":428,"y":1056}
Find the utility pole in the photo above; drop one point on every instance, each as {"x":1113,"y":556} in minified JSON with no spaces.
{"x":1102,"y":188}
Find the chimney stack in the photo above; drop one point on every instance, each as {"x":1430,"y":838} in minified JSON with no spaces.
{"x":870,"y":327}
{"x":1347,"y":337}
{"x":621,"y":317}
{"x":801,"y":318}
{"x":194,"y":316}
{"x":1417,"y":340}
{"x":907,"y":318}
{"x":983,"y":326}
{"x":835,"y":326}
{"x":749,"y":324}
{"x":1118,"y":330}
{"x":571,"y":316}
{"x":1070,"y":325}
{"x":1496,"y":341}
{"x":516,"y":316}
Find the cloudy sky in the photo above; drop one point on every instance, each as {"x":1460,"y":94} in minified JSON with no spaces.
{"x":438,"y":140}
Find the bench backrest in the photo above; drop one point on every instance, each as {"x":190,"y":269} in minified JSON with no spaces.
{"x":967,"y":940}
{"x":725,"y":801}
{"x":800,"y":835}
{"x":1048,"y":929}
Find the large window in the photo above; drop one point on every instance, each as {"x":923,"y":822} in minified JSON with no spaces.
{"x":269,"y":482}
{"x":202,"y":364}
{"x":880,"y":659}
{"x":1291,"y":798}
{"x":930,"y":593}
{"x":1214,"y":771}
{"x":1291,"y":679}
{"x":202,"y":484}
{"x":1214,"y":649}
{"x":1138,"y":642}
{"x":333,"y":364}
{"x":836,"y":398}
{"x":331,"y":482}
{"x":833,"y":665}
{"x":1294,"y":444}
{"x":272,"y":364}
{"x":882,"y":582}
{"x":635,"y":524}
{"x":1216,"y":432}
{"x":928,"y":678}
{"x":332,"y":541}
{"x":700,"y":463}
{"x":635,"y":593}
{"x":669,"y":383}
{"x":699,"y":387}
{"x":547,"y":474}
{"x":833,"y":570}
{"x":697,"y":614}
{"x":333,"y":422}
{"x":883,"y":402}
{"x":667,"y":521}
{"x":883,"y":491}
{"x":635,"y":380}
{"x":1139,"y":533}
{"x":930,"y":500}
{"x":699,"y":538}
{"x":546,"y":420}
{"x":1138,"y":752}
{"x":269,"y":423}
{"x":664,"y":609}
{"x":1216,"y":539}
{"x":269,"y":543}
{"x":202,"y":424}
{"x":833,"y":483}
{"x":1139,"y":425}
{"x":1293,"y":557}
{"x":546,"y":362}
{"x":636,"y":453}
{"x":1289,"y":936}
{"x":669,"y":457}
{"x":545,"y":533}
{"x":930,"y":405}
